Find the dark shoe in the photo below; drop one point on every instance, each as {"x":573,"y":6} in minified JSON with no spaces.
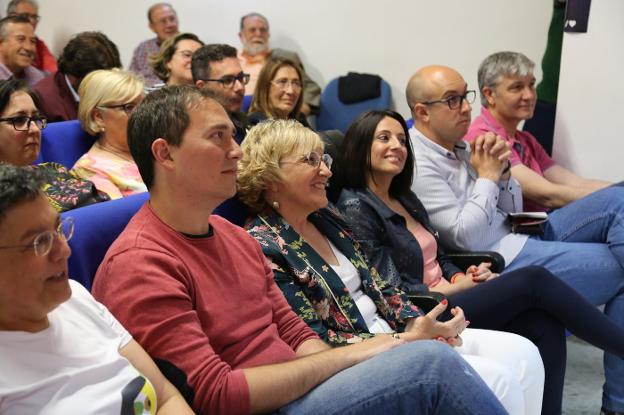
{"x":605,"y":412}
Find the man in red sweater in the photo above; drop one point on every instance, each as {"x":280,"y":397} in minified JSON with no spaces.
{"x":198,"y":294}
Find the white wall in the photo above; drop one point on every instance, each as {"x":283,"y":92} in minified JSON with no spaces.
{"x":391,"y":38}
{"x":589,"y":131}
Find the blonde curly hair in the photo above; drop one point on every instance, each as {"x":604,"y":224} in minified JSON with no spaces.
{"x":264,"y":146}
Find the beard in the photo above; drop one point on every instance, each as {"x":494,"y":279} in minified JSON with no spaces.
{"x":254,"y":49}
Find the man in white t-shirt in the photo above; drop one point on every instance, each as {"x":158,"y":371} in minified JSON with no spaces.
{"x":61,"y":352}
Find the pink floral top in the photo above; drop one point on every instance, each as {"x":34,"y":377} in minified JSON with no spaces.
{"x":111,"y":173}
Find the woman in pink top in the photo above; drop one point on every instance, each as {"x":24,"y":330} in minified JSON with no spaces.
{"x":107,"y":98}
{"x":393,"y":229}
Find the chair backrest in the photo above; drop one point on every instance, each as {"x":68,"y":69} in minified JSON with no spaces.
{"x":336,"y":115}
{"x":96,"y":227}
{"x":246,"y":103}
{"x":64,"y":142}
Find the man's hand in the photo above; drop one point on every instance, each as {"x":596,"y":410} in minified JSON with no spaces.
{"x":489,"y":155}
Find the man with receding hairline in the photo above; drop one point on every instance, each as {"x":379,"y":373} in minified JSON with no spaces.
{"x":254,"y":35}
{"x":163,"y":21}
{"x":17,"y":50}
{"x":468,"y":191}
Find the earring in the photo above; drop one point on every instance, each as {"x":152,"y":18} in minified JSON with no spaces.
{"x":275,"y":205}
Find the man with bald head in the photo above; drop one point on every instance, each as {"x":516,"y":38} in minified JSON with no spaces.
{"x":468,"y":192}
{"x":163,"y":21}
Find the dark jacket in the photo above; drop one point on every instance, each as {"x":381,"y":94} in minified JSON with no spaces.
{"x":383,"y":236}
{"x":57,"y":101}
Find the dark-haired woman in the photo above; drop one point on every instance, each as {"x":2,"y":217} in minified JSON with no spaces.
{"x":393,"y":229}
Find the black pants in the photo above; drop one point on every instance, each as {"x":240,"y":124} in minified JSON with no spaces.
{"x":535,"y":304}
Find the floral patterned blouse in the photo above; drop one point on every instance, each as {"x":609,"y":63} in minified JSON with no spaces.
{"x":111,"y":173}
{"x":315,"y":292}
{"x":65,"y":190}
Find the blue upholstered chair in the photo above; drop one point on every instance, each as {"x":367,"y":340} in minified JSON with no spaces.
{"x":96,"y":227}
{"x":64,"y":142}
{"x":336,"y":115}
{"x":246,"y":103}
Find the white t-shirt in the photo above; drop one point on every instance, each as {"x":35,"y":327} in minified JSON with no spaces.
{"x":73,"y":366}
{"x":365,"y":305}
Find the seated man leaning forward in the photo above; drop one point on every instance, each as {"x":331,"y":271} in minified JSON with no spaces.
{"x":61,"y":352}
{"x":468,"y":193}
{"x":507,"y":88}
{"x":197,"y":292}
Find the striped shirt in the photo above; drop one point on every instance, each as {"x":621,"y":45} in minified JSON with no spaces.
{"x":470,"y":213}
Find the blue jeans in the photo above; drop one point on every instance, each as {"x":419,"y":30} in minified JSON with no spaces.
{"x":422,"y":377}
{"x":583,"y":244}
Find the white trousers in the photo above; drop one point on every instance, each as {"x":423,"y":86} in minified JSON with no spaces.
{"x":510,"y":365}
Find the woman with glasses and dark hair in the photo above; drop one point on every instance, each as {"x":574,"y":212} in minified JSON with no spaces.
{"x":393,"y":229}
{"x":20,"y":143}
{"x":327,"y":281}
{"x":107,"y":98}
{"x":60,"y":350}
{"x":278,"y":92}
{"x":172,"y":64}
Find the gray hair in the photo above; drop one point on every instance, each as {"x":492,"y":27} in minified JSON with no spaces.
{"x":254,"y":14}
{"x":498,"y":64}
{"x":18,"y":184}
{"x":14,"y":3}
{"x":4,"y":23}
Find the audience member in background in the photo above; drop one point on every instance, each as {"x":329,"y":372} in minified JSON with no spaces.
{"x":393,"y":230}
{"x":84,"y":53}
{"x":468,"y":193}
{"x":327,"y":281}
{"x":60,"y":350}
{"x":163,"y":21}
{"x":20,"y":143}
{"x":172,"y":64}
{"x":107,"y":98}
{"x":507,"y":87}
{"x":216,"y":68}
{"x":44,"y":60}
{"x":197,"y":293}
{"x":17,"y":50}
{"x":254,"y":35}
{"x":278,"y":92}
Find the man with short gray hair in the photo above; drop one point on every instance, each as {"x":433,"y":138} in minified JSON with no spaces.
{"x":163,"y":21}
{"x":44,"y":60}
{"x":17,"y":50}
{"x":507,"y":88}
{"x":254,"y":35}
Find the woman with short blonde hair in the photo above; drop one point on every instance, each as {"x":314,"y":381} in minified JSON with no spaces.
{"x":107,"y":98}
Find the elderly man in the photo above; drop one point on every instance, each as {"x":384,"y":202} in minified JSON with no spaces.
{"x":507,"y":87}
{"x":163,"y":21}
{"x":197,"y":293}
{"x":254,"y":35}
{"x":468,"y":192}
{"x":84,"y":53}
{"x":44,"y":60}
{"x":17,"y":50}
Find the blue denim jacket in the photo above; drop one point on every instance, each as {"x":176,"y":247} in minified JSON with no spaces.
{"x":383,"y":236}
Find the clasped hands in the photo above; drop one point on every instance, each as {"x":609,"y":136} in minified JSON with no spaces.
{"x":489,"y":156}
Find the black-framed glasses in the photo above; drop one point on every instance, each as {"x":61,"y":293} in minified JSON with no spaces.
{"x":228,"y":81}
{"x":127,"y":108}
{"x":43,"y":242}
{"x":22,"y":122}
{"x":455,"y":101}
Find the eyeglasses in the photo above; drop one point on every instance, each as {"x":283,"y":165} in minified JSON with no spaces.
{"x":229,"y":80}
{"x":127,"y":108}
{"x":22,"y":122}
{"x":186,"y":54}
{"x":285,"y":83}
{"x":43,"y":242}
{"x":29,"y":16}
{"x":455,"y":101}
{"x":314,"y":159}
